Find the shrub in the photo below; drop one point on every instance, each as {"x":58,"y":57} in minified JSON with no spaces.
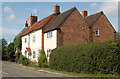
{"x":94,"y":58}
{"x":42,"y":60}
{"x":24,"y":60}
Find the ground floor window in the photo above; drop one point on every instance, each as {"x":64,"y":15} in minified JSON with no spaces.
{"x":34,"y":54}
{"x":48,"y":53}
{"x":25,"y":53}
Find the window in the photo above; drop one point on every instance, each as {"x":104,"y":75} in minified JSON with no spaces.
{"x":49,"y":35}
{"x":34,"y":54}
{"x":25,"y":40}
{"x":25,"y":53}
{"x":48,"y":52}
{"x":96,"y":32}
{"x":34,"y":38}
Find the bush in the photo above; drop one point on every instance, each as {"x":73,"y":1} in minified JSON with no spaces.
{"x":42,"y":60}
{"x":24,"y":60}
{"x":93,"y":58}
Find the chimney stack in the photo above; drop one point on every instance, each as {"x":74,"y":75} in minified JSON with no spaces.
{"x":84,"y":13}
{"x":33,"y":19}
{"x":26,"y":24}
{"x":57,"y":9}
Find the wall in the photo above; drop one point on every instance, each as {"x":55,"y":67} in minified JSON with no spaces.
{"x":35,"y":46}
{"x":50,"y":43}
{"x":74,"y":30}
{"x":24,"y":45}
{"x":106,"y":31}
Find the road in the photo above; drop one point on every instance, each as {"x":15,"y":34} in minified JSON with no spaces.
{"x":16,"y":72}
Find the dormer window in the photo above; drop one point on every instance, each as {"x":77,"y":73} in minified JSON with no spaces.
{"x":96,"y":32}
{"x":49,"y":34}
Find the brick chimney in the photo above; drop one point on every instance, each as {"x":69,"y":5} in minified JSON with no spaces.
{"x":57,"y":9}
{"x":84,"y":13}
{"x":33,"y":19}
{"x":26,"y":24}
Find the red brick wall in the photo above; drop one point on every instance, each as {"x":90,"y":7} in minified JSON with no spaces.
{"x":71,"y":31}
{"x":106,"y":31}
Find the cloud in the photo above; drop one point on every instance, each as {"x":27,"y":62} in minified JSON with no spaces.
{"x":7,"y":9}
{"x":10,"y":17}
{"x":93,"y":5}
{"x":110,"y":8}
{"x":9,"y":30}
{"x":35,"y":11}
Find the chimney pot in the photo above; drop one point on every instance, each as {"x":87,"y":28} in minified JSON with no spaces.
{"x":57,"y":9}
{"x":84,"y":13}
{"x":26,"y":24}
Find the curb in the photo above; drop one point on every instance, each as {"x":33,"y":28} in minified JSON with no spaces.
{"x":41,"y":70}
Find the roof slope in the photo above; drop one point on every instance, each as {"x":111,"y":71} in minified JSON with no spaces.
{"x":38,"y":25}
{"x":93,"y":18}
{"x":22,"y":32}
{"x":58,"y":20}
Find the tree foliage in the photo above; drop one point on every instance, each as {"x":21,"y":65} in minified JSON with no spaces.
{"x":10,"y":52}
{"x":3,"y":45}
{"x":17,"y":42}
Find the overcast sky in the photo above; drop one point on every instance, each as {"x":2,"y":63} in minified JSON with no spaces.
{"x":14,"y":14}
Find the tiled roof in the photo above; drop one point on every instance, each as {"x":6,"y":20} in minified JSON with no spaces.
{"x":28,"y":49}
{"x":93,"y":18}
{"x":58,"y":20}
{"x":22,"y":32}
{"x":38,"y":25}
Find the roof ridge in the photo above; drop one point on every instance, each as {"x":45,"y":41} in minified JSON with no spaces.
{"x":94,"y":14}
{"x":68,"y":10}
{"x":90,"y":20}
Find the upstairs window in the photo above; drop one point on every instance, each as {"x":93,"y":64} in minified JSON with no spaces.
{"x":34,"y":54}
{"x":33,"y":38}
{"x":49,"y":35}
{"x":96,"y":32}
{"x":25,"y":40}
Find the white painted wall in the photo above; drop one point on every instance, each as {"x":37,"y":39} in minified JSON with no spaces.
{"x":50,"y":43}
{"x":24,"y":45}
{"x":35,"y":46}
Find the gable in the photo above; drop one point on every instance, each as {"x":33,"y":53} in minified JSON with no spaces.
{"x":59,"y":19}
{"x":105,"y":23}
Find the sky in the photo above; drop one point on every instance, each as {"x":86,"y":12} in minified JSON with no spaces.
{"x":14,"y":14}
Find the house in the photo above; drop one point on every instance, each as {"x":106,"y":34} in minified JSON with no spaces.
{"x":64,"y":29}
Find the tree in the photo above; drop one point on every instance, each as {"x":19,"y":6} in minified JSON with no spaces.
{"x":10,"y":52}
{"x":17,"y":43}
{"x":3,"y":45}
{"x":42,"y":60}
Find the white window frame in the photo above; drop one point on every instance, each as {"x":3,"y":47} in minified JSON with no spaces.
{"x":97,"y":34}
{"x":49,"y":34}
{"x":25,"y":40}
{"x":34,"y":54}
{"x":33,"y":38}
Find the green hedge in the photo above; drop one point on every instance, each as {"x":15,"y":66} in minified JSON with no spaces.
{"x":96,"y":58}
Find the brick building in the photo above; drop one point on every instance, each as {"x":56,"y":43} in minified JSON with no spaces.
{"x":63,"y":29}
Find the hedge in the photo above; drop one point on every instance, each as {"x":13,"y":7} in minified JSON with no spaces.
{"x":96,"y":58}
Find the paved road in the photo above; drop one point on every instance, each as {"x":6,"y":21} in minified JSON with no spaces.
{"x":19,"y":72}
{"x":12,"y":71}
